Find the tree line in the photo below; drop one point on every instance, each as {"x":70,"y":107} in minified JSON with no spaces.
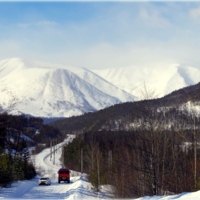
{"x":14,"y":155}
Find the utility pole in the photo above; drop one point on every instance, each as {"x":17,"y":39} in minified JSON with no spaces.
{"x":54,"y":153}
{"x":110,"y":158}
{"x":195,"y":156}
{"x":50,"y":150}
{"x":62,"y":156}
{"x":81,"y":161}
{"x":56,"y":143}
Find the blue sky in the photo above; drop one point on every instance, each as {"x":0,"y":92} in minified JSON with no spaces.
{"x":99,"y":35}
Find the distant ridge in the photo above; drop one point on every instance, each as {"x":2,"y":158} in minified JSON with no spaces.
{"x":162,"y":78}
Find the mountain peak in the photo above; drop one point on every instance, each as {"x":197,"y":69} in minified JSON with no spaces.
{"x":53,"y":90}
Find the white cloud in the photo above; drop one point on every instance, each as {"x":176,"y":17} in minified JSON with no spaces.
{"x":153,"y":18}
{"x":117,"y":35}
{"x":24,"y":25}
{"x":39,"y":23}
{"x":46,"y":23}
{"x":10,"y":48}
{"x":195,"y":13}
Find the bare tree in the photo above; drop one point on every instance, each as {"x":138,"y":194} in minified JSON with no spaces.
{"x":147,"y":93}
{"x":11,"y":104}
{"x":94,"y":159}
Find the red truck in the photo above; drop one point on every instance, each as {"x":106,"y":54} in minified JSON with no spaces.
{"x":64,"y":175}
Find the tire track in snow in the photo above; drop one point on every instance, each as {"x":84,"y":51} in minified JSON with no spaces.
{"x":55,"y":190}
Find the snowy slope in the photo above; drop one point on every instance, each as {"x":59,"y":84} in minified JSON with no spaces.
{"x":161,"y":78}
{"x":52,"y":90}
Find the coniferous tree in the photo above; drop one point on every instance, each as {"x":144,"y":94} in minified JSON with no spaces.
{"x":5,"y":170}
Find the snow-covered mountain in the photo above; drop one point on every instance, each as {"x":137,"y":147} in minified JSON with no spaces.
{"x":52,"y":90}
{"x":161,"y":78}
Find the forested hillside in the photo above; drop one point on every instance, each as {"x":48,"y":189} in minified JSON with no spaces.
{"x":143,"y":148}
{"x":128,"y":116}
{"x":17,"y":134}
{"x":190,"y":93}
{"x":150,"y":160}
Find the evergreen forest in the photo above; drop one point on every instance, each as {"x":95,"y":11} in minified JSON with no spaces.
{"x":17,"y":135}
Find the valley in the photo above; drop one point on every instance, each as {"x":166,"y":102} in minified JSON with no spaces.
{"x":105,"y":121}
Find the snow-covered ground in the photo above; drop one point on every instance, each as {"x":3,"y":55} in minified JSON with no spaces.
{"x":78,"y":188}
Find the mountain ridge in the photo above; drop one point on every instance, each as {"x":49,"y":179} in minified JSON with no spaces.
{"x":162,"y":78}
{"x":54,"y":90}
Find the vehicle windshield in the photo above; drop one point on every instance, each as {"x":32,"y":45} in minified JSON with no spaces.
{"x":64,"y":172}
{"x":44,"y":178}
